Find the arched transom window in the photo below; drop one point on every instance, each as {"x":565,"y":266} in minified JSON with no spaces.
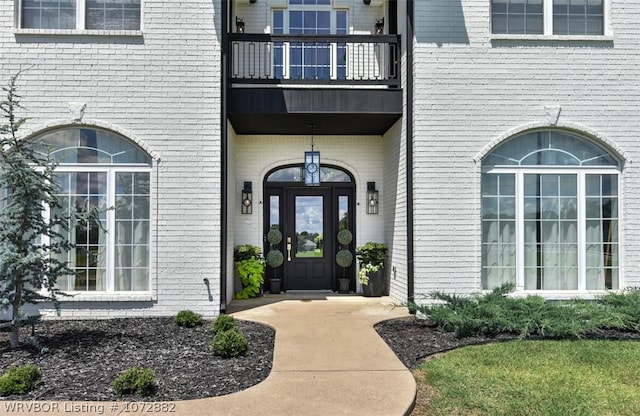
{"x":550,"y":214}
{"x":103,"y":170}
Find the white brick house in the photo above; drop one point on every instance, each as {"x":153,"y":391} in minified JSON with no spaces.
{"x":500,"y":139}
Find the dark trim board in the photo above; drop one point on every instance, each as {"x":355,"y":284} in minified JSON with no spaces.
{"x":333,"y":111}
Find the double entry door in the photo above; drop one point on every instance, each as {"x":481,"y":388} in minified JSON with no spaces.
{"x":309,"y":219}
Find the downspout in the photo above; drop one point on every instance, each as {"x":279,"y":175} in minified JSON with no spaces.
{"x":409,"y":144}
{"x":223,"y":155}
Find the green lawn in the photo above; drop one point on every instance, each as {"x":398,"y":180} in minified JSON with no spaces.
{"x":533,"y":378}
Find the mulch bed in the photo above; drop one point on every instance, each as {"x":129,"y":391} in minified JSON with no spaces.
{"x":85,"y":356}
{"x":414,"y":339}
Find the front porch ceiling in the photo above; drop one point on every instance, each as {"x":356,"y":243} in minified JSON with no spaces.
{"x":332,"y":111}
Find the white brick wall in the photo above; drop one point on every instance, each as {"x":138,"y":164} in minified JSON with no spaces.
{"x":363,"y":156}
{"x":163,"y":88}
{"x":470,"y":90}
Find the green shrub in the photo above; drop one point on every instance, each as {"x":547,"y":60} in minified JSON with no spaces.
{"x":626,"y":304}
{"x":344,"y":258}
{"x":138,"y":380}
{"x":223,"y":323}
{"x":494,"y":313}
{"x":188,"y":319}
{"x":345,"y":237}
{"x":19,"y":379}
{"x":229,"y":344}
{"x":274,"y":236}
{"x":275,"y":258}
{"x":246,"y":252}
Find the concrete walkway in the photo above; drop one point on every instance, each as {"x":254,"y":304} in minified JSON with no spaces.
{"x":328,"y":361}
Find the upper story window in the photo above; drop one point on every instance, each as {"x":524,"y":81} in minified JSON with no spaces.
{"x":548,"y":17}
{"x":80,"y":14}
{"x":311,"y":60}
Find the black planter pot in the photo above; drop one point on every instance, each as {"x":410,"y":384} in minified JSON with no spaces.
{"x":274,"y":286}
{"x":375,"y":288}
{"x":344,"y":286}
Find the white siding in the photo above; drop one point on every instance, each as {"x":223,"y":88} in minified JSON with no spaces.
{"x":162,"y":89}
{"x":470,"y":90}
{"x":363,"y":156}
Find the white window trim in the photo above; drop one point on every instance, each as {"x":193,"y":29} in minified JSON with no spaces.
{"x":80,"y":24}
{"x":110,"y":294}
{"x":607,"y":35}
{"x":581,"y":172}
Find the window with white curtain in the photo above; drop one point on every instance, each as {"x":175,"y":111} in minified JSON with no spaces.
{"x":548,"y":17}
{"x":80,"y":14}
{"x":550,"y":214}
{"x":103,"y":171}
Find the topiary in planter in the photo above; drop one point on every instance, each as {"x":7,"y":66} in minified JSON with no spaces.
{"x":344,"y":258}
{"x":274,"y":236}
{"x":275,"y":258}
{"x":345,"y":237}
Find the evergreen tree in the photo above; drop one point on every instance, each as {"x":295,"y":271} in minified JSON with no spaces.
{"x":31,"y":244}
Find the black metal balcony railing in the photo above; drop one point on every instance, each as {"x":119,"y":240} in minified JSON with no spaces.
{"x":314,"y":59}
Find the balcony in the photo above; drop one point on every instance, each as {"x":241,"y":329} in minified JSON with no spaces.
{"x":344,"y":84}
{"x":356,"y":60}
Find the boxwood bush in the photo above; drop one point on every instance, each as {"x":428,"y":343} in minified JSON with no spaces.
{"x":229,"y":344}
{"x":20,"y":379}
{"x":188,"y":319}
{"x":136,"y":380}
{"x":223,"y":323}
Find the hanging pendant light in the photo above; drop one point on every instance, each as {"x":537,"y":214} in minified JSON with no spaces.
{"x":312,"y":164}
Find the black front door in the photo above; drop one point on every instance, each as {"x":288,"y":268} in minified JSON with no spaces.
{"x":309,"y":218}
{"x":309,"y":255}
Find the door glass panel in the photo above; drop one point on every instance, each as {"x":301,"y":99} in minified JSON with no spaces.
{"x":309,"y":227}
{"x":343,"y":213}
{"x":274,"y":211}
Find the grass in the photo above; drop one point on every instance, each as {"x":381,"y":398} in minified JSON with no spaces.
{"x":583,"y":377}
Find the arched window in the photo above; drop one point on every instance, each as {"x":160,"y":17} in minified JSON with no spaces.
{"x":296,"y":174}
{"x":550,"y":214}
{"x":102,"y":170}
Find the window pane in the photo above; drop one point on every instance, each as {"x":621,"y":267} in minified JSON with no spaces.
{"x":498,"y":230}
{"x":343,"y":213}
{"x":49,"y":14}
{"x":274,"y":211}
{"x":578,"y":17}
{"x":82,"y":192}
{"x":549,"y":148}
{"x":86,"y":145}
{"x":517,"y":16}
{"x":113,"y":14}
{"x":132,"y":230}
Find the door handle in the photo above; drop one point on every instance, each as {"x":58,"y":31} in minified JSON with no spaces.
{"x":288,"y":248}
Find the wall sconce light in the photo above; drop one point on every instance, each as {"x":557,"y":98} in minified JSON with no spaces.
{"x":239,"y":25}
{"x":252,"y":1}
{"x":247,"y":199}
{"x":366,"y":2}
{"x":380,"y":26}
{"x":372,"y":198}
